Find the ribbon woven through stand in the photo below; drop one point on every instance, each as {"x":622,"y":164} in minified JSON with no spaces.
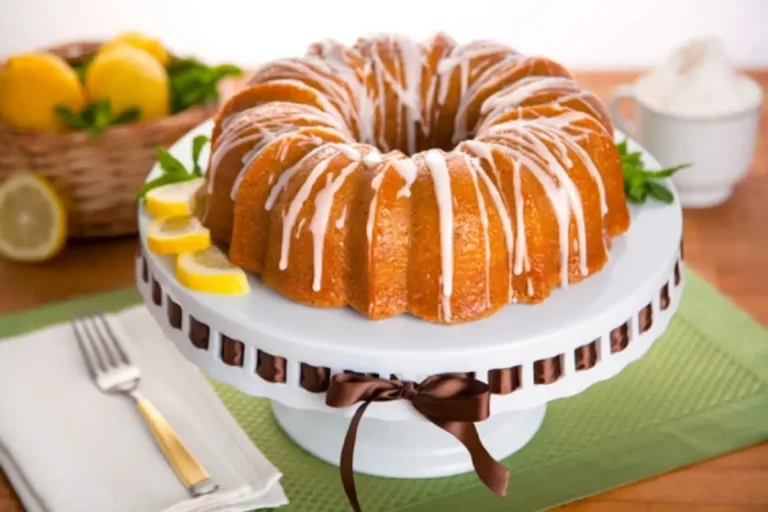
{"x":453,"y":402}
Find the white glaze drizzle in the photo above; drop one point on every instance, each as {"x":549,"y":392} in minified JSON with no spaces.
{"x":441,"y":178}
{"x":319,"y":223}
{"x":342,"y":218}
{"x":375,"y":184}
{"x":406,"y":167}
{"x":521,"y":90}
{"x":413,"y":61}
{"x":484,"y":152}
{"x":546,"y":162}
{"x":325,"y":104}
{"x":372,"y":158}
{"x":378,"y":67}
{"x":474,"y":167}
{"x":243,"y":130}
{"x":460,"y":129}
{"x":461,"y":57}
{"x":333,"y":55}
{"x":464,"y":54}
{"x":295,"y":208}
{"x":286,"y":176}
{"x":279,"y":137}
{"x":554,"y":129}
{"x":319,"y":71}
{"x":559,"y":188}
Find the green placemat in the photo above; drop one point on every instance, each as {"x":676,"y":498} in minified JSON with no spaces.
{"x":701,"y":391}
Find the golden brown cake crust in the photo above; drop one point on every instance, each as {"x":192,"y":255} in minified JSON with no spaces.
{"x":440,"y":179}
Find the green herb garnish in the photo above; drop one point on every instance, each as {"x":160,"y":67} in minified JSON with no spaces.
{"x":639,"y":183}
{"x":80,"y":67}
{"x":191,"y":82}
{"x":194,"y":83}
{"x":173,"y":170}
{"x":97,"y":117}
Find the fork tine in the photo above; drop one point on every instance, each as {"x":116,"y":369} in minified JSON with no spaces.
{"x":94,"y":341}
{"x":101,"y":341}
{"x":90,"y":341}
{"x":113,"y":339}
{"x":87,"y":355}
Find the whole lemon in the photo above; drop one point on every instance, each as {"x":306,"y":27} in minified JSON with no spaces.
{"x":150,"y":45}
{"x":128,"y":78}
{"x":32,"y":85}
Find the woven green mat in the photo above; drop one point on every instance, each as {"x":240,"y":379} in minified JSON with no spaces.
{"x":701,"y":391}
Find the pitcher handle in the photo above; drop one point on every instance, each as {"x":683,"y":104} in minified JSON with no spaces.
{"x":624,"y":92}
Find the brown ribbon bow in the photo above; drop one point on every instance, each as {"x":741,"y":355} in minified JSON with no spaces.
{"x":453,"y":402}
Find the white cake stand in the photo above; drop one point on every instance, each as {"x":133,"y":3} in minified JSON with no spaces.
{"x":582,"y":335}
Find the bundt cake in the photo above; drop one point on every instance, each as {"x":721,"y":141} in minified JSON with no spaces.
{"x":437,"y":179}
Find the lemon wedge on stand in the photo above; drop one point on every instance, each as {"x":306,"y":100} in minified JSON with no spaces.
{"x":174,"y":200}
{"x":210,"y":271}
{"x":33,"y":219}
{"x":175,"y":235}
{"x":200,"y":266}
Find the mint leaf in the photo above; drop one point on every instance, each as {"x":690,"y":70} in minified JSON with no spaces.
{"x":197,"y":147}
{"x":72,"y":120}
{"x":195,"y":83}
{"x":80,"y":70}
{"x":88,"y":113}
{"x":225,"y":70}
{"x":639,"y":183}
{"x":97,"y":117}
{"x":173,"y":170}
{"x":665,"y":173}
{"x":80,"y":66}
{"x":178,"y":64}
{"x":634,"y":158}
{"x":169,"y":164}
{"x":165,"y":179}
{"x":622,"y":147}
{"x":101,"y":116}
{"x":638,"y":194}
{"x":660,"y":192}
{"x":129,"y":115}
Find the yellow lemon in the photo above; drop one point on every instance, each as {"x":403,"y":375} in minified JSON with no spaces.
{"x":174,"y":200}
{"x":32,"y":85}
{"x":129,"y":78}
{"x":33,"y":219}
{"x":149,"y":44}
{"x":174,"y":235}
{"x":209,"y":271}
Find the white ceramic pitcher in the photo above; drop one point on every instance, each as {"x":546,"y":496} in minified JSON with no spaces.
{"x":719,"y":148}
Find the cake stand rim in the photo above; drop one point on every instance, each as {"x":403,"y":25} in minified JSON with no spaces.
{"x":302,"y":399}
{"x":441,"y":357}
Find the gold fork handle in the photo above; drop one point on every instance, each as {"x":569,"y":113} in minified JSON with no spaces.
{"x":189,"y":471}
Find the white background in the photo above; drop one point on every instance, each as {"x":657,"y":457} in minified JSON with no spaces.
{"x":580,"y":33}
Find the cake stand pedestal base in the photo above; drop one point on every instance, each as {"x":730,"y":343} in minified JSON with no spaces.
{"x":405,"y":449}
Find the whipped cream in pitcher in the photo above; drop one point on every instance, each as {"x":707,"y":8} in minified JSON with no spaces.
{"x":695,"y":108}
{"x":698,"y":80}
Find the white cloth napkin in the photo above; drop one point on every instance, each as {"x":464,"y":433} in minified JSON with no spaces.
{"x":67,"y":447}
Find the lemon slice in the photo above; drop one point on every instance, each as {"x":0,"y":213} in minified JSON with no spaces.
{"x":210,"y":271}
{"x":174,"y":235}
{"x":33,"y":220}
{"x":174,"y":200}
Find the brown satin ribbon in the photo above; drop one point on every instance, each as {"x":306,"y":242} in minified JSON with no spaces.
{"x":453,"y":402}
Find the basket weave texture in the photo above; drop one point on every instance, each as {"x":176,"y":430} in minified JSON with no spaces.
{"x":97,"y":177}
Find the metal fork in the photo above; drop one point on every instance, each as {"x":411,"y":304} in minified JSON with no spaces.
{"x":112,"y":371}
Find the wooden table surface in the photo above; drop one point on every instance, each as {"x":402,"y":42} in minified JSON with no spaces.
{"x":727,"y":245}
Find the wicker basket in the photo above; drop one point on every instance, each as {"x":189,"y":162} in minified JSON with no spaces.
{"x":98,"y":177}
